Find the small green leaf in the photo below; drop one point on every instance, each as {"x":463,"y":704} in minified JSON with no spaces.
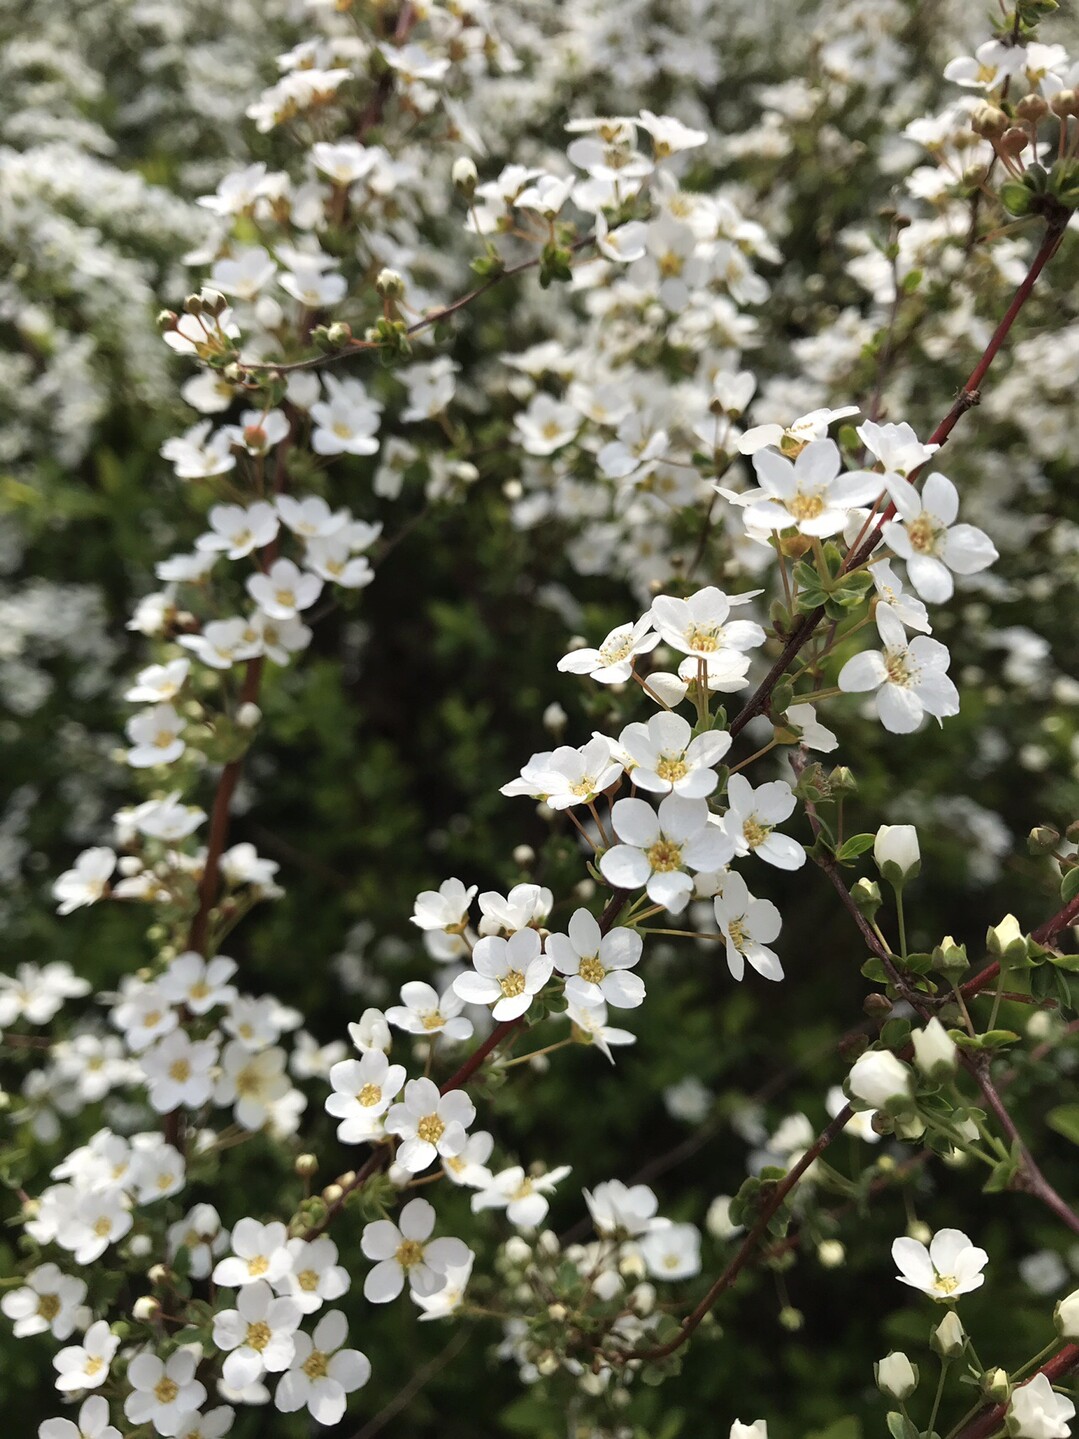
{"x":856,"y":845}
{"x":1069,"y":885}
{"x":1065,"y":1120}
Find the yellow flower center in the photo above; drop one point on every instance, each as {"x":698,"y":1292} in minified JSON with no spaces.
{"x":672,"y":769}
{"x":248,"y":1082}
{"x":523,"y":1190}
{"x":103,"y":1227}
{"x":614,"y":651}
{"x":370,"y":1094}
{"x":199,"y":990}
{"x":665,"y":856}
{"x":736,"y":930}
{"x":946,"y":1284}
{"x":409,"y":1252}
{"x":180,"y":1070}
{"x":258,"y":1265}
{"x":93,"y":1366}
{"x":307,"y":1279}
{"x":433,"y":1020}
{"x":430,"y":1129}
{"x":922,"y":534}
{"x":584,"y":788}
{"x":704,"y":640}
{"x":48,"y":1306}
{"x":316,"y":1364}
{"x":151,"y":1019}
{"x":591,"y":971}
{"x":512,"y":984}
{"x":805,"y":507}
{"x":341,"y":430}
{"x":286,"y":598}
{"x":898,"y":667}
{"x":670,"y":264}
{"x":259,"y":1335}
{"x":755,"y":832}
{"x":164,"y":738}
{"x":166,"y":1390}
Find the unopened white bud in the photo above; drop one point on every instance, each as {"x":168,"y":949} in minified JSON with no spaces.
{"x":831,"y":1253}
{"x":389,"y":284}
{"x":896,"y":1376}
{"x":555,"y":718}
{"x":248,"y":715}
{"x":145,"y":1309}
{"x":935,"y":1054}
{"x":464,"y":175}
{"x":896,"y":853}
{"x":516,"y":1250}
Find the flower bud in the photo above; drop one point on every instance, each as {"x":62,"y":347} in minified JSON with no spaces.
{"x":842,"y":781}
{"x":333,"y":1193}
{"x":831,"y":1254}
{"x":791,"y":1319}
{"x":878,"y":1081}
{"x":547,"y":1363}
{"x":1031,"y":107}
{"x":896,"y":1376}
{"x":1042,"y":839}
{"x":516,"y":1250}
{"x":166,"y":320}
{"x":305,"y":1165}
{"x":464,"y":176}
{"x":950,"y":959}
{"x":158,"y":1273}
{"x":524,"y":855}
{"x":897,"y":854}
{"x":555,"y":718}
{"x":949,"y":1338}
{"x":935,"y":1053}
{"x":866,"y":896}
{"x":557,"y":1312}
{"x":338,"y":333}
{"x":1005,"y":941}
{"x":145,"y":1309}
{"x":1014,"y":140}
{"x":989,"y":121}
{"x":1066,"y":1316}
{"x":1063,"y":102}
{"x":718,"y":1220}
{"x":995,"y":1386}
{"x":248,"y":715}
{"x":389,"y":284}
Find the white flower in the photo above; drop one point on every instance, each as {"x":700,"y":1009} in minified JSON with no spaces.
{"x":179,"y":1071}
{"x":640,"y":443}
{"x":1066,"y":1316}
{"x":157,"y":683}
{"x":589,"y":1026}
{"x":991,"y":64}
{"x":155,"y":737}
{"x":811,"y":494}
{"x":163,"y":1389}
{"x":213,"y":1424}
{"x":546,"y":425}
{"x":930,"y":541}
{"x":363,"y":1091}
{"x":1036,"y":1412}
{"x":951,"y":1265}
{"x":911,"y":679}
{"x":371,"y":1032}
{"x":576,"y":776}
{"x":48,"y":1301}
{"x":624,"y":244}
{"x":896,"y":852}
{"x":37,"y":994}
{"x":878,"y":1078}
{"x":237,"y":531}
{"x":612,"y":663}
{"x":259,"y":1251}
{"x":757,"y":1430}
{"x":748,"y":926}
{"x":347,"y":423}
{"x":244,"y":273}
{"x":891,"y":593}
{"x":507,"y":974}
{"x":424,"y":1011}
{"x":196,"y":454}
{"x":445,"y":907}
{"x":429,"y":1123}
{"x":669,"y":136}
{"x":814,"y":735}
{"x":100,"y":1220}
{"x":86,"y":1365}
{"x":806,"y":428}
{"x":166,"y":818}
{"x":897,"y":447}
{"x":469,"y":1167}
{"x":667,"y":758}
{"x":523,"y":1196}
{"x":333,"y":561}
{"x":310,"y":517}
{"x":658,"y":848}
{"x":322,"y":1374}
{"x":860,"y":1126}
{"x":93,"y":1423}
{"x":252,"y":1082}
{"x":699,"y":625}
{"x":284,"y":590}
{"x":447,"y":1300}
{"x":198,"y":983}
{"x":618,"y":1209}
{"x":598,"y":965}
{"x":525,"y":905}
{"x":257,"y":1335}
{"x":408,"y":1250}
{"x":201,"y":1234}
{"x":344,"y":161}
{"x":672,"y":1251}
{"x":314,"y":1274}
{"x":752,"y":817}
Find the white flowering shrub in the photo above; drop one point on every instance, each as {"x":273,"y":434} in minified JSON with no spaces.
{"x":598,"y":550}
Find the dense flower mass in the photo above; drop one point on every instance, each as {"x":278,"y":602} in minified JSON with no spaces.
{"x":615,"y":302}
